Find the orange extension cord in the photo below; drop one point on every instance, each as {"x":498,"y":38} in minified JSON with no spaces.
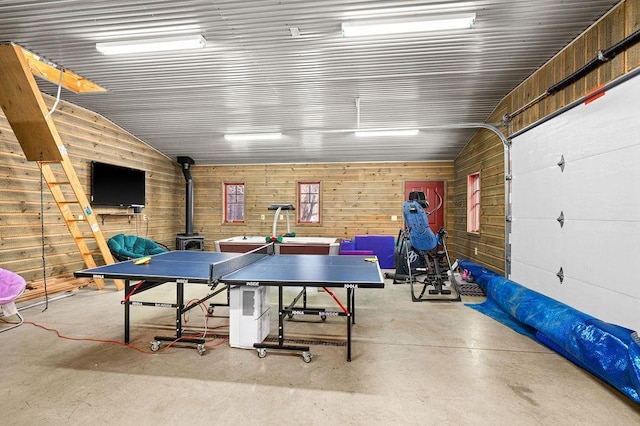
{"x":164,"y":348}
{"x":116,"y":342}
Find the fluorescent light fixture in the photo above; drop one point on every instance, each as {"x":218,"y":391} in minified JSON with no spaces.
{"x":252,"y":136}
{"x":157,"y":44}
{"x":397,"y":132}
{"x":397,"y":25}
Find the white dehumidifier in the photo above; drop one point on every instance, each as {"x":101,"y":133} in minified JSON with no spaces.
{"x":249,"y":316}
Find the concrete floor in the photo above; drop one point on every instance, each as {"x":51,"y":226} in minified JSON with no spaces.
{"x":413,"y":364}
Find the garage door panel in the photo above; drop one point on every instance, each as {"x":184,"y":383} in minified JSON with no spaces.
{"x":535,"y":153}
{"x":603,"y":254}
{"x":580,"y":295}
{"x":599,"y":243}
{"x":537,"y":194}
{"x":604,"y":187}
{"x":537,"y":243}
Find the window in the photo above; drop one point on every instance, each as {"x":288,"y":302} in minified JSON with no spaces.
{"x":308,"y":202}
{"x":233,"y":202}
{"x":473,"y":202}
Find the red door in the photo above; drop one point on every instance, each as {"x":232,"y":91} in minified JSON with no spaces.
{"x":434,"y":192}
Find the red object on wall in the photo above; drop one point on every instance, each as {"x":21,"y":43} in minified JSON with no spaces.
{"x":596,"y":93}
{"x":430,"y":188}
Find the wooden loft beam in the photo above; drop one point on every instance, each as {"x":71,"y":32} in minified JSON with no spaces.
{"x":44,"y":69}
{"x":25,"y":109}
{"x":24,"y":106}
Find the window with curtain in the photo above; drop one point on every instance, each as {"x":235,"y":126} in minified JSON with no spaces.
{"x":234,"y":202}
{"x":308,"y":202}
{"x":473,"y":203}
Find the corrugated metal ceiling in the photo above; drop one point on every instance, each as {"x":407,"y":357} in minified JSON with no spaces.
{"x":253,"y":76}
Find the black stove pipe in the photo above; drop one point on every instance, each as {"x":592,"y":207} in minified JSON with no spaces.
{"x":186,"y":163}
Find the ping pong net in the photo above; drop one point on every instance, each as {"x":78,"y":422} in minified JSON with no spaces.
{"x":219,"y":269}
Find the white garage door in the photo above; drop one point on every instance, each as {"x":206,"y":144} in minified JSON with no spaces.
{"x":597,"y":191}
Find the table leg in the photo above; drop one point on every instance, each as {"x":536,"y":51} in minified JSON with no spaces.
{"x":280,"y":317}
{"x":350,"y":313}
{"x":180,"y":335}
{"x":179,"y":308}
{"x":127,"y":289}
{"x":353,"y":306}
{"x":281,"y":346}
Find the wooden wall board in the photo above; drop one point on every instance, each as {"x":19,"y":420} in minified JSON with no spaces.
{"x":484,"y":154}
{"x":632,"y":24}
{"x":87,"y":137}
{"x":357,"y":198}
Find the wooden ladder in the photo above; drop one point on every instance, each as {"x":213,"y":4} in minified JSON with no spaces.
{"x":80,"y":219}
{"x":28,"y":116}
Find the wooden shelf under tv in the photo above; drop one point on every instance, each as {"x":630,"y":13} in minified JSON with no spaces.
{"x":128,"y":215}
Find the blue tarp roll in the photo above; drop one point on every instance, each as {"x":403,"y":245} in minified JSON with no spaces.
{"x":608,"y":351}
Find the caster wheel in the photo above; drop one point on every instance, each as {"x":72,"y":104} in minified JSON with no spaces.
{"x":155,"y":345}
{"x":306,"y":357}
{"x":323,"y":318}
{"x":201,"y":349}
{"x":262,"y":352}
{"x":210,"y":310}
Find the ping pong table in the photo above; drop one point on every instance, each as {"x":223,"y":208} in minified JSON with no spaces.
{"x":259,"y":267}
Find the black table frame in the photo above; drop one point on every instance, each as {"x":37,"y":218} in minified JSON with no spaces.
{"x":283,"y":311}
{"x":291,"y":311}
{"x":179,"y":306}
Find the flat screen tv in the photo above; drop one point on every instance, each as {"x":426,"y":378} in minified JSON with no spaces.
{"x":116,"y":186}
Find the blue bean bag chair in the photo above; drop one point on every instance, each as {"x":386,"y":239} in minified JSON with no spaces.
{"x":126,"y":247}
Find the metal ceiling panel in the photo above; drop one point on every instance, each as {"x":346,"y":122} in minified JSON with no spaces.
{"x":254,"y":76}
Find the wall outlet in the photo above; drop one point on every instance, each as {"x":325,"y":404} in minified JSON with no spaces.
{"x":80,"y":217}
{"x":262,"y":217}
{"x":475,"y":250}
{"x":394,"y":218}
{"x":144,"y":217}
{"x":281,"y":217}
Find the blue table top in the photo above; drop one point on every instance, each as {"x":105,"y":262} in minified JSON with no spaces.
{"x":294,"y":270}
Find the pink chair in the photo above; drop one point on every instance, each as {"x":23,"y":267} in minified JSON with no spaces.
{"x":11,"y":287}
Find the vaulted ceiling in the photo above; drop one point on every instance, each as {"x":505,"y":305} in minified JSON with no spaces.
{"x":257,"y":74}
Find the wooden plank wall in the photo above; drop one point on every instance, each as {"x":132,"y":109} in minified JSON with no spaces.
{"x":484,"y":153}
{"x":87,"y":136}
{"x":357,"y":198}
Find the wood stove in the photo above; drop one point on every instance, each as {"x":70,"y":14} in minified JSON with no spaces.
{"x":189,"y":240}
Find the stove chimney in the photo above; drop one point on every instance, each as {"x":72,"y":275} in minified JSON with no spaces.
{"x":186,"y":163}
